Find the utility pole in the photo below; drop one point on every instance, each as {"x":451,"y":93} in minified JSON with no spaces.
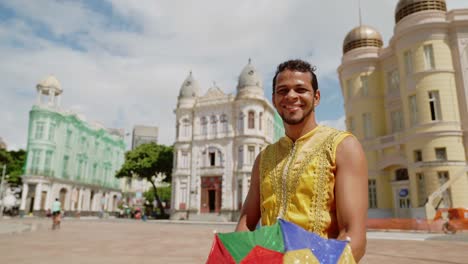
{"x":1,"y":191}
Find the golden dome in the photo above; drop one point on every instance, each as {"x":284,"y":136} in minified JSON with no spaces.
{"x":407,"y":7}
{"x":362,"y":36}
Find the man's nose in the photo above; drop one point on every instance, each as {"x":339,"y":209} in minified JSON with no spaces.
{"x":291,"y":94}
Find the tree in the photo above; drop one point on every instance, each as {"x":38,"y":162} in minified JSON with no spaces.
{"x":146,"y":162}
{"x":163,"y":192}
{"x":15,"y":162}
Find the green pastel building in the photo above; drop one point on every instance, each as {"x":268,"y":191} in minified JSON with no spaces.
{"x":69,"y":158}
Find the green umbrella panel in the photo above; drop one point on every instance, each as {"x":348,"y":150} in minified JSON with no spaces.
{"x":239,"y":244}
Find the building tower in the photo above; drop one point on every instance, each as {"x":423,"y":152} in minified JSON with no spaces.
{"x":48,"y":92}
{"x":402,"y":102}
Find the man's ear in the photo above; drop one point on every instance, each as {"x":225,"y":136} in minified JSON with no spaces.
{"x":317,"y":98}
{"x":273,"y":98}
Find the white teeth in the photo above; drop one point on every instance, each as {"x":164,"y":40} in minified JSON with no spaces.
{"x":289,"y":107}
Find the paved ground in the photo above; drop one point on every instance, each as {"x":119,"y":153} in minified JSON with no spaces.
{"x":128,"y":241}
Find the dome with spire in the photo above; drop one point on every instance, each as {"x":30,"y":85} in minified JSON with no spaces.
{"x":362,"y":36}
{"x":407,"y":7}
{"x":48,"y":84}
{"x":189,"y":88}
{"x":249,"y":77}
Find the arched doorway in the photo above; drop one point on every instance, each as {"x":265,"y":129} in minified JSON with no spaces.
{"x":91,"y":199}
{"x":211,"y":194}
{"x":114,"y":203}
{"x":62,"y":197}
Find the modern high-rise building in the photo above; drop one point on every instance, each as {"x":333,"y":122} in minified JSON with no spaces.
{"x":69,"y":158}
{"x":3,"y":145}
{"x":218,"y":137}
{"x":143,"y":135}
{"x":408,"y":105}
{"x":133,"y":188}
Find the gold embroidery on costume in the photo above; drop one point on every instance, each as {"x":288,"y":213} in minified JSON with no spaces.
{"x":297,"y":180}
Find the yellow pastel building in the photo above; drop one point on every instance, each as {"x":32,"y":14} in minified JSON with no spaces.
{"x":408,"y":105}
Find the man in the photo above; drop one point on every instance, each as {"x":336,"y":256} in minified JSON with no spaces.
{"x":56,"y":209}
{"x":315,"y":176}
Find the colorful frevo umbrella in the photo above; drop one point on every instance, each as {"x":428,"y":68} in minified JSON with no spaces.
{"x":283,"y":242}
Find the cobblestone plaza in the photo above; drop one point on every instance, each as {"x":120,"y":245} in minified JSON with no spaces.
{"x":129,"y":241}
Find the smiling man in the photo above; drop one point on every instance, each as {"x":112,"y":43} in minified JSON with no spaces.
{"x":315,"y":176}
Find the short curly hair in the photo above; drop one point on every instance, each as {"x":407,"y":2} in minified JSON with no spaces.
{"x":297,"y":65}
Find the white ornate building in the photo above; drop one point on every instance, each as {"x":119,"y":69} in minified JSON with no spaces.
{"x":218,"y":138}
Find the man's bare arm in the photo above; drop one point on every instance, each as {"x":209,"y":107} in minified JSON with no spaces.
{"x":250,"y":213}
{"x":351,"y":194}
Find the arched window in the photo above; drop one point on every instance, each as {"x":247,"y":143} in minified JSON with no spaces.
{"x":213,"y":157}
{"x":185,"y":127}
{"x":251,"y":120}
{"x":214,"y":125}
{"x":204,"y":126}
{"x":224,"y":124}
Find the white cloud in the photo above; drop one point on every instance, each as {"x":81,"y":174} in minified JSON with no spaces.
{"x":338,"y":123}
{"x":125,"y":66}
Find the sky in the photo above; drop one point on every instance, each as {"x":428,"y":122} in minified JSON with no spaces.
{"x":122,"y":63}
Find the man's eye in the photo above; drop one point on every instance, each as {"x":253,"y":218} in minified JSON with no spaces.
{"x":302,"y":90}
{"x":281,"y":92}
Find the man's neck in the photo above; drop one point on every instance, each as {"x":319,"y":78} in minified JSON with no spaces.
{"x":296,"y":131}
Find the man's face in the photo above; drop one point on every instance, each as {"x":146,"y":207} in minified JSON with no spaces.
{"x":294,"y":97}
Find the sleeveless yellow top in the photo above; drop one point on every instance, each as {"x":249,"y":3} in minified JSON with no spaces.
{"x":297,"y":181}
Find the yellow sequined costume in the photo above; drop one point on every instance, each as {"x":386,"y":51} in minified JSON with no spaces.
{"x":297,"y":181}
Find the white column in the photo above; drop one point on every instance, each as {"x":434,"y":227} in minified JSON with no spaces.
{"x":85,"y":202}
{"x":52,"y":97}
{"x":176,"y":193}
{"x":110,"y":203}
{"x":245,"y":187}
{"x":106,"y":201}
{"x":24,"y":195}
{"x":37,"y":197}
{"x":80,"y":198}
{"x":74,"y":195}
{"x":48,"y":203}
{"x":68,"y":199}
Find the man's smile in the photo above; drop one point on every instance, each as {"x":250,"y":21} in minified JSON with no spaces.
{"x":292,"y":107}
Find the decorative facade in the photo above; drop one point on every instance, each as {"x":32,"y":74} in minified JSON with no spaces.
{"x":218,"y":138}
{"x":69,"y":158}
{"x":408,"y":105}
